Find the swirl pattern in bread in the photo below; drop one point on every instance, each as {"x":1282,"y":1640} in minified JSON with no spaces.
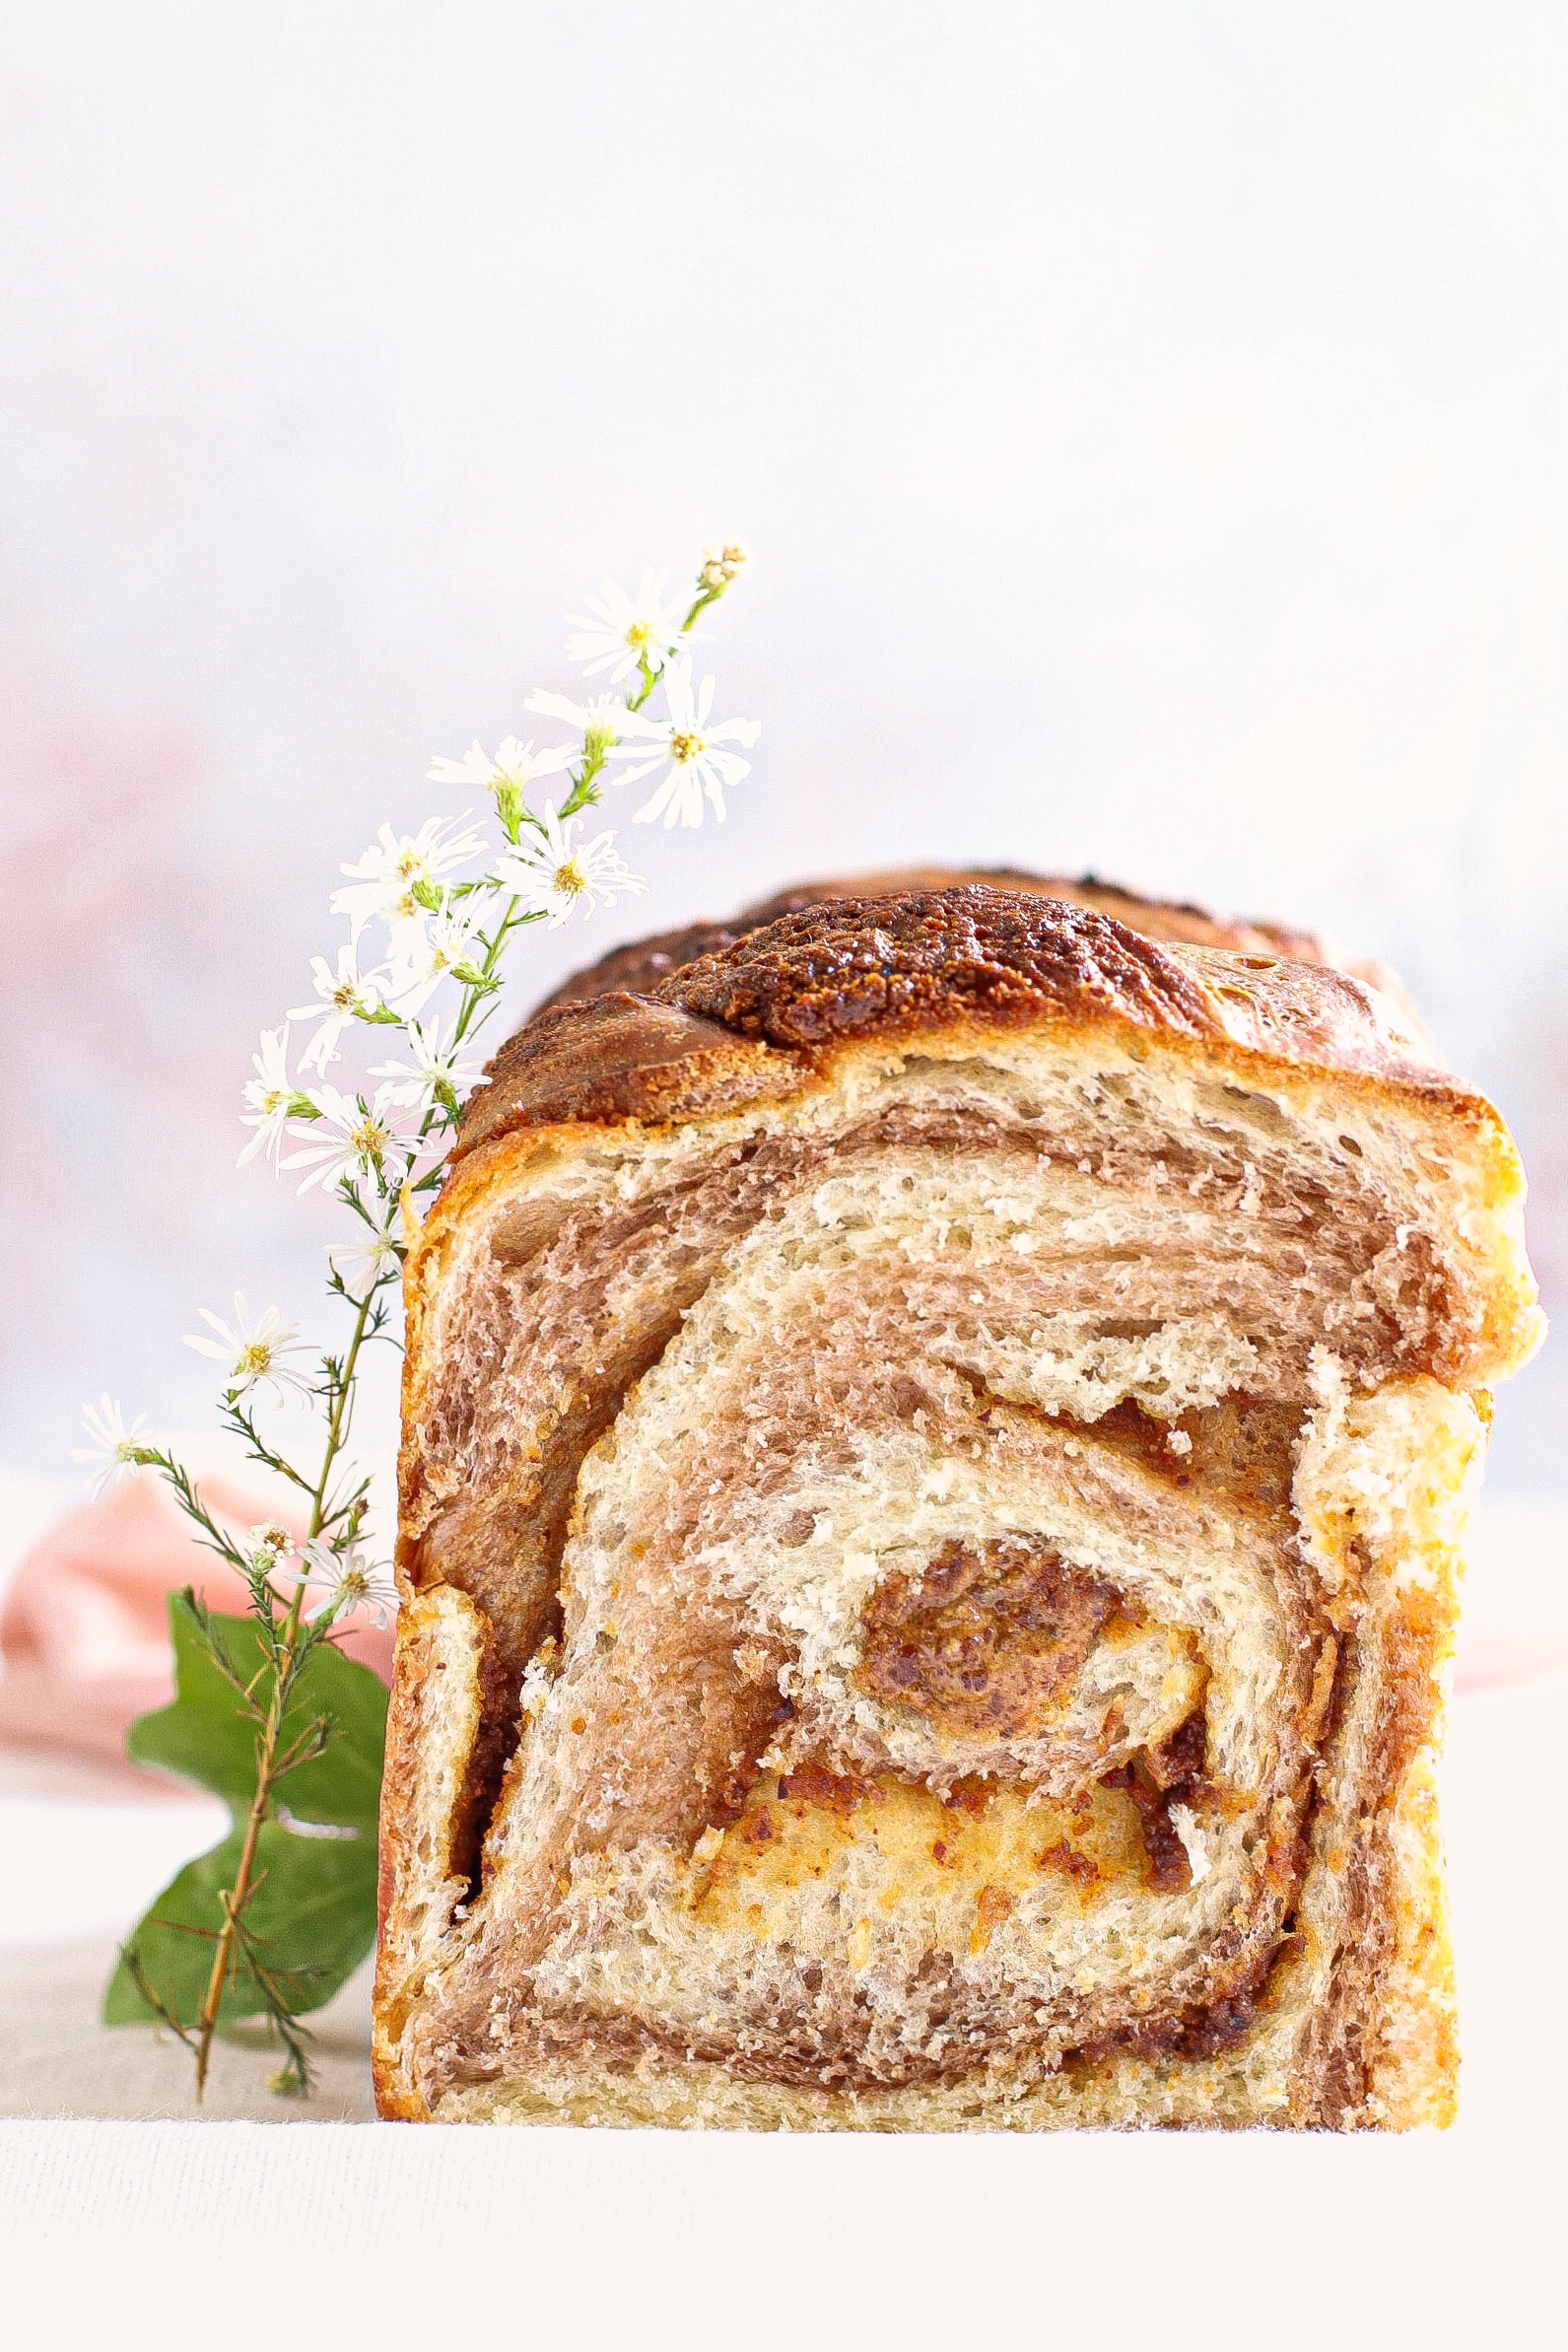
{"x":937,"y":1437}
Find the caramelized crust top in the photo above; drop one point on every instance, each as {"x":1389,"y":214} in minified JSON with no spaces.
{"x":750,"y":1021}
{"x":643,"y":963}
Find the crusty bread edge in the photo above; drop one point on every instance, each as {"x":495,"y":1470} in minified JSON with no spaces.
{"x":727,"y":1101}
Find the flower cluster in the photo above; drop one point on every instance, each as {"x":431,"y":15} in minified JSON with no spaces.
{"x":335,"y":1581}
{"x":429,"y":916}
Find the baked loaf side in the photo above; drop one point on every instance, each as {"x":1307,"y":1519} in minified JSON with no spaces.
{"x":937,"y":1447}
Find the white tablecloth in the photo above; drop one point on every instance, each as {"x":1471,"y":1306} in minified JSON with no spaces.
{"x":764,"y":2240}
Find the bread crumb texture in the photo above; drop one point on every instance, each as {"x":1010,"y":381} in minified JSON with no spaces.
{"x":932,"y":1586}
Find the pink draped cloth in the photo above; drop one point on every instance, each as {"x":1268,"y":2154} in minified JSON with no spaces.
{"x":84,"y":1629}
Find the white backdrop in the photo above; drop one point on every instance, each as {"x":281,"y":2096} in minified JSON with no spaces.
{"x":1148,"y":422}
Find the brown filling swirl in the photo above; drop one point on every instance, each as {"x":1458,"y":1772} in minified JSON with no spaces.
{"x":682,"y":1734}
{"x":987,"y":1637}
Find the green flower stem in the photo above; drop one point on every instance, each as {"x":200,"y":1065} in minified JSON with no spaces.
{"x":289,"y":1654}
{"x":585,"y":788}
{"x":473,"y":992}
{"x":234,"y":1899}
{"x":342,"y":1394}
{"x":148,"y":1457}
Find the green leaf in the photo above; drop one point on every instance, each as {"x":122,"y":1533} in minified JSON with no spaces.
{"x":311,"y":1918}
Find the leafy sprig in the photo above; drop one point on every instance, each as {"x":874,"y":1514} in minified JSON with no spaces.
{"x":271,"y":1717}
{"x":275,"y":1917}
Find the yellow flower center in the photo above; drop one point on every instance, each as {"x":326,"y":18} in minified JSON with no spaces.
{"x":685,"y":747}
{"x":570,"y":879}
{"x":367,"y":1139}
{"x":255,"y":1357}
{"x":639,"y":633}
{"x":410,"y":866}
{"x":345,"y":996}
{"x":274,"y":1099}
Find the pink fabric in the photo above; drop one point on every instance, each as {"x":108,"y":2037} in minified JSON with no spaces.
{"x":1489,"y":1658}
{"x":83,"y":1632}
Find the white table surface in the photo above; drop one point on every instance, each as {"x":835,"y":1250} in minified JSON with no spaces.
{"x":768,"y":2238}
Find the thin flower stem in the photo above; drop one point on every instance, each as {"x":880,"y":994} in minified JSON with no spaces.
{"x":191,"y":1505}
{"x":287,"y":1655}
{"x":235,"y":1899}
{"x":342,"y":1408}
{"x":244,"y":1423}
{"x":585,"y":787}
{"x":473,"y":994}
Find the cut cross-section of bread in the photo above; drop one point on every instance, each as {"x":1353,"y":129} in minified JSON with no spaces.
{"x":938,"y":1439}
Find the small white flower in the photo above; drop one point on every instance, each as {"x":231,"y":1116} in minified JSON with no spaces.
{"x":695,"y":750}
{"x":552,"y":876}
{"x":447,"y":942}
{"x":253,"y":1352}
{"x":514,"y":763}
{"x":604,"y":720}
{"x":343,"y":995}
{"x":269,"y":1547}
{"x":114,"y":1445}
{"x":361,"y":1264}
{"x":624,"y":632}
{"x":269,"y":1097}
{"x":723,"y":562}
{"x":436,"y":1073}
{"x":353,"y":1138}
{"x":346,"y":1580}
{"x":399,"y":876}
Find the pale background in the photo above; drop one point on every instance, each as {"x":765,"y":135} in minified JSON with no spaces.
{"x":1149,"y":423}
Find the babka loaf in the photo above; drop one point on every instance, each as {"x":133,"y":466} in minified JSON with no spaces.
{"x":936,"y":1444}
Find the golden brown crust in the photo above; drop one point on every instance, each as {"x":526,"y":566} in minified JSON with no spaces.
{"x":619,"y":1057}
{"x":749,"y":1022}
{"x":641,"y":964}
